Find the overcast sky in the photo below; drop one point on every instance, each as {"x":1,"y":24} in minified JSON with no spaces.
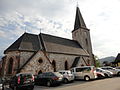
{"x":56,"y":17}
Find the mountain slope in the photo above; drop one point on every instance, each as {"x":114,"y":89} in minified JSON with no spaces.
{"x":108,"y":59}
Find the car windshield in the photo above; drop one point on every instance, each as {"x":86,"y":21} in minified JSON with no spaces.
{"x":27,"y":76}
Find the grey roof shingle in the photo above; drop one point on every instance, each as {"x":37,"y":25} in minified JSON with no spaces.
{"x":25,"y":42}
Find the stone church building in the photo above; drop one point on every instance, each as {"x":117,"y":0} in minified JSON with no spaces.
{"x":43,"y":52}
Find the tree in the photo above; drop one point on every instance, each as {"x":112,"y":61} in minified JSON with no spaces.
{"x":97,"y":61}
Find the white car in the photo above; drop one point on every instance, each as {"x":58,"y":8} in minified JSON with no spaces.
{"x":67,"y":75}
{"x":113,"y":70}
{"x":106,"y":72}
{"x":84,"y":72}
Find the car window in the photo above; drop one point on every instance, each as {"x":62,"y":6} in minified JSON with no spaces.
{"x":26,"y":76}
{"x":83,"y":69}
{"x":79,"y":69}
{"x":87,"y":69}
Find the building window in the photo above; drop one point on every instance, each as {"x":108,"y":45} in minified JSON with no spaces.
{"x":54,"y":65}
{"x":10,"y":66}
{"x":66,"y":65}
{"x":86,"y":40}
{"x":40,"y":60}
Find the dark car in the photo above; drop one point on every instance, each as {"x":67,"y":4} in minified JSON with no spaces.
{"x":49,"y":78}
{"x":22,"y":81}
{"x":1,"y":84}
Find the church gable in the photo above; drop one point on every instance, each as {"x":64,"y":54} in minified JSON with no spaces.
{"x":39,"y":63}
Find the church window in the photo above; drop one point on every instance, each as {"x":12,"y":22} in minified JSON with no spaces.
{"x":66,"y":65}
{"x":86,"y":40}
{"x":10,"y":66}
{"x":40,"y":60}
{"x":54,"y":65}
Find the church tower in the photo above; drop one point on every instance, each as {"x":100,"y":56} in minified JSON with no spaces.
{"x":82,"y":34}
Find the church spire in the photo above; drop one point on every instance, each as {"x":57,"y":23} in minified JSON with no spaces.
{"x":79,"y":21}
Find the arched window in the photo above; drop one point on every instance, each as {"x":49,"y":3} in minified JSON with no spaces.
{"x":66,"y":65}
{"x":54,"y":65}
{"x":86,"y":40}
{"x":40,"y":72}
{"x":10,"y":66}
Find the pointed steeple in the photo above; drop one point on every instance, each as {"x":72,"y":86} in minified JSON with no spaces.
{"x":79,"y":21}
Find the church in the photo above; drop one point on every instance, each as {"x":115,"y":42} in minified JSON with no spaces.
{"x":43,"y":52}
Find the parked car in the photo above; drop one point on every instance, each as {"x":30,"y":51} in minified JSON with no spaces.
{"x":113,"y":70}
{"x":117,"y":67}
{"x":49,"y":79}
{"x":106,"y":72}
{"x":67,"y":75}
{"x":84,"y":72}
{"x":22,"y":81}
{"x":1,"y":84}
{"x":100,"y":74}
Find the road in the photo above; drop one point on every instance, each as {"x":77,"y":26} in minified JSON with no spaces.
{"x":103,"y":84}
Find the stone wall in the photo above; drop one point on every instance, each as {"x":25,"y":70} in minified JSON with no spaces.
{"x":24,"y":56}
{"x":34,"y":66}
{"x":62,"y":58}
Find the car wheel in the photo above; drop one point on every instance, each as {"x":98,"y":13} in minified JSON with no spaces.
{"x":48,"y":83}
{"x":106,"y":75}
{"x":65,"y":80}
{"x":87,"y":78}
{"x":118,"y":73}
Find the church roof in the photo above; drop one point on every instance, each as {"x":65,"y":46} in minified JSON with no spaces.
{"x":79,"y":21}
{"x":27,"y":42}
{"x":32,"y":42}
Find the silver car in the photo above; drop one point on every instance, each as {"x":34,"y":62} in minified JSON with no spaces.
{"x":84,"y":72}
{"x":113,"y":70}
{"x":67,"y":74}
{"x":106,"y":72}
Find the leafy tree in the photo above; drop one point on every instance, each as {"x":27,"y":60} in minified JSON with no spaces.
{"x":97,"y":61}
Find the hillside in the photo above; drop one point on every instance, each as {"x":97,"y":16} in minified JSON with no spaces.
{"x":108,"y":59}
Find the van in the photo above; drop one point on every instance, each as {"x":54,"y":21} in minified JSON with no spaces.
{"x":84,"y":72}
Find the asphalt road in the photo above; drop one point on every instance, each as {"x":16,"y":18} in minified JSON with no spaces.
{"x":102,"y":84}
